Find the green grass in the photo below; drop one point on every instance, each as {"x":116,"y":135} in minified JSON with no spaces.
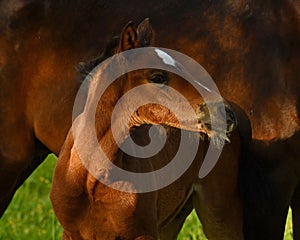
{"x":30,"y":215}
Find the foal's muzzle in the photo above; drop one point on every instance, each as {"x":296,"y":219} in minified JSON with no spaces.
{"x":217,"y":114}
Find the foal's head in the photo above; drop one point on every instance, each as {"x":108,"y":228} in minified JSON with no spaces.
{"x":156,"y":95}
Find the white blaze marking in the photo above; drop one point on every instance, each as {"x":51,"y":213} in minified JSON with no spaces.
{"x":201,"y":85}
{"x":167,"y":59}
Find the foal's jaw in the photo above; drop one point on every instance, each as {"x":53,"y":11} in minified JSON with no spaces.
{"x":224,"y":121}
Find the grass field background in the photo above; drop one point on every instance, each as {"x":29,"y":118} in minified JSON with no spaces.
{"x":30,"y":215}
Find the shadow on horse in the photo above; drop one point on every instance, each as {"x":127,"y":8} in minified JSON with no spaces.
{"x":250,"y":48}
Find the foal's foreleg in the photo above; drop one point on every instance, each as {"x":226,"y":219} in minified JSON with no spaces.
{"x":217,"y":200}
{"x":172,"y":229}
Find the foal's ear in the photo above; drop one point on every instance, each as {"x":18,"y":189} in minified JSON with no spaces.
{"x":145,"y":33}
{"x":128,"y":38}
{"x":131,"y":38}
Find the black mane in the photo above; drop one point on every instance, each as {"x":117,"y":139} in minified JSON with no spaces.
{"x":84,"y":68}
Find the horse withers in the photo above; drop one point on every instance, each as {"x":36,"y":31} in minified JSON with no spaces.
{"x":89,"y":206}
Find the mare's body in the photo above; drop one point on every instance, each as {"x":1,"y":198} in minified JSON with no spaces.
{"x":251,"y":49}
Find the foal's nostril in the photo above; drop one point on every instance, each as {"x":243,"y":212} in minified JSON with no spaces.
{"x":231,"y":120}
{"x":229,"y":113}
{"x":219,"y":112}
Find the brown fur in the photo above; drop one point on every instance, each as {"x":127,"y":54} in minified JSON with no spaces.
{"x":249,"y":47}
{"x":88,"y":209}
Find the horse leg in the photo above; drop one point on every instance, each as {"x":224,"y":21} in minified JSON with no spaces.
{"x":265,"y":213}
{"x":217,"y":200}
{"x":268,"y":183}
{"x":172,"y":229}
{"x":8,"y":185}
{"x":295,"y":205}
{"x":265,"y":219}
{"x":7,"y":181}
{"x":14,"y":181}
{"x":15,"y":170}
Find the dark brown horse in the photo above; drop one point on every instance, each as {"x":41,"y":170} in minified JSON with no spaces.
{"x":91,"y":209}
{"x":249,"y":47}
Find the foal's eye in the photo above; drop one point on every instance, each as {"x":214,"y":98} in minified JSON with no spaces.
{"x":158,"y":78}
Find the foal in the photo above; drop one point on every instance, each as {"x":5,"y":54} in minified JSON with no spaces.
{"x":92,"y":203}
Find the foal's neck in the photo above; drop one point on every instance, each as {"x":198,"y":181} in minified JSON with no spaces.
{"x":104,"y":123}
